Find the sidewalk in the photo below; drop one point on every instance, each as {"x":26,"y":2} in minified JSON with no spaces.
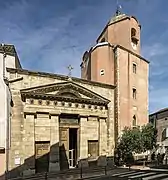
{"x":152,"y":168}
{"x":138,"y":167}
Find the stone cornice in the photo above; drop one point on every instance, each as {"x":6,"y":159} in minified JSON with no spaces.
{"x":70,"y":88}
{"x":115,"y":46}
{"x":15,"y":80}
{"x":62,"y":98}
{"x":131,"y":52}
{"x":60,"y":77}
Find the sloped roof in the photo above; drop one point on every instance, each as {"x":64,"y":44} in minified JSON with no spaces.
{"x":159,"y":111}
{"x":9,"y":49}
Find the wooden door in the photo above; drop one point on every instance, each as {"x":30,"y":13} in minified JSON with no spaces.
{"x":64,"y":148}
{"x":42,"y":156}
{"x":93,"y":148}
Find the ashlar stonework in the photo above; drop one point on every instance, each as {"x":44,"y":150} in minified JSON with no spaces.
{"x":46,"y":109}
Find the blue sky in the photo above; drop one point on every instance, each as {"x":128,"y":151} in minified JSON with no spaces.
{"x":49,"y":35}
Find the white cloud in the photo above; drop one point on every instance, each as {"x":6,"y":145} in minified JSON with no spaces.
{"x":154,"y":50}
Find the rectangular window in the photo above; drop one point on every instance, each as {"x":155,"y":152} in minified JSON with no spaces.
{"x":2,"y":150}
{"x":93,"y":148}
{"x":134,"y":93}
{"x":134,"y":68}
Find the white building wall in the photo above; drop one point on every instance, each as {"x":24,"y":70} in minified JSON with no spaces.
{"x":2,"y":105}
{"x":4,"y":97}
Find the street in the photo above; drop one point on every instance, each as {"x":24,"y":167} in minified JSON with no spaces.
{"x":136,"y":175}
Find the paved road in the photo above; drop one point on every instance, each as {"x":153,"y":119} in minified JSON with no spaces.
{"x":136,"y":175}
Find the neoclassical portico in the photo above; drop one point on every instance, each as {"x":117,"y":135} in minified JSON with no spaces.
{"x":63,"y":122}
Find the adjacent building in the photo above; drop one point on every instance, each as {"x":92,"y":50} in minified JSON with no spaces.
{"x":55,"y":120}
{"x":8,"y":58}
{"x":160,"y":120}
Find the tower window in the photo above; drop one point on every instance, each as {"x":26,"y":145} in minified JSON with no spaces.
{"x":102,"y":72}
{"x":134,"y":39}
{"x":134,"y":93}
{"x":133,"y":32}
{"x":134,"y":121}
{"x":134,"y":68}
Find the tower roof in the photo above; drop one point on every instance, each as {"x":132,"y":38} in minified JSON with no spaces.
{"x":116,"y":18}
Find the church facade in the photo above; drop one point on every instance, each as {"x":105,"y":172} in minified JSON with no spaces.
{"x":56,"y":121}
{"x":59,"y":118}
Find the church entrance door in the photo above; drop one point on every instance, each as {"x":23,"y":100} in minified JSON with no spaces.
{"x":68,"y":147}
{"x":64,"y":148}
{"x":68,"y":127}
{"x":72,"y":147}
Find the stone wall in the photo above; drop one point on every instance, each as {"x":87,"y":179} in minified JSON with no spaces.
{"x":28,"y":126}
{"x":93,"y":129}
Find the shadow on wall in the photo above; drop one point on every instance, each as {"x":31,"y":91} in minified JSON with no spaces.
{"x":39,"y":163}
{"x":50,"y":162}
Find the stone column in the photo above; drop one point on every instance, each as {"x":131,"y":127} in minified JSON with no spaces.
{"x":83,"y":147}
{"x":54,"y":144}
{"x":102,"y":142}
{"x":28,"y":142}
{"x":110,"y":129}
{"x":102,"y":136}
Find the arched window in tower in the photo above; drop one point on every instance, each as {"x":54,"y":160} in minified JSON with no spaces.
{"x":134,"y":39}
{"x":133,"y":32}
{"x":134,"y":121}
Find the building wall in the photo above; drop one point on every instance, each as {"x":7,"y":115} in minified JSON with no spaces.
{"x":118,"y":69}
{"x":161,"y":125}
{"x":10,"y":63}
{"x":160,"y":121}
{"x":102,"y":58}
{"x":5,"y":105}
{"x":23,"y":133}
{"x":86,"y":66}
{"x":3,"y":165}
{"x":116,"y":57}
{"x":127,"y":80}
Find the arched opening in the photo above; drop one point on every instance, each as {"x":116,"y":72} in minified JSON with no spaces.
{"x":134,"y":39}
{"x":134,"y":121}
{"x":133,"y":32}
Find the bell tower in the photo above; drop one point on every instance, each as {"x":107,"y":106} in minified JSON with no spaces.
{"x":122,"y":30}
{"x":116,"y":60}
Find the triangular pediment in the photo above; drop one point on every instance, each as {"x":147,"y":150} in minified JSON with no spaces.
{"x":65,"y":90}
